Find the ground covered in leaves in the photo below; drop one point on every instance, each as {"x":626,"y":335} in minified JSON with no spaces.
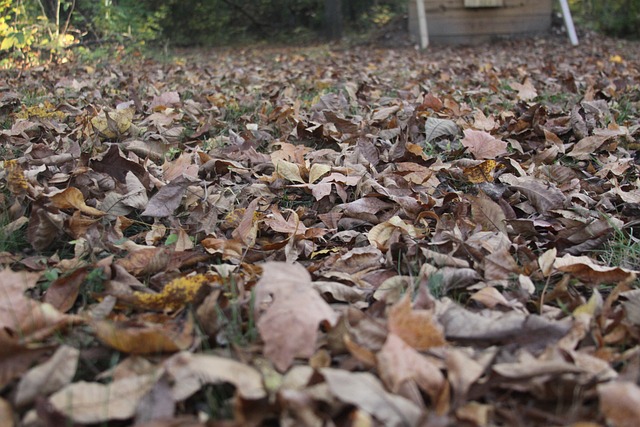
{"x":323,"y":237}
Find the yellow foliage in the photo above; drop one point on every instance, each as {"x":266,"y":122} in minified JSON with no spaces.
{"x":175,"y":295}
{"x":16,"y":181}
{"x":481,"y":173}
{"x":45,"y":111}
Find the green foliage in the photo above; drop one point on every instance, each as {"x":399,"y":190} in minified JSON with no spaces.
{"x":29,"y":36}
{"x":126,"y":20}
{"x":620,"y":18}
{"x":219,"y":22}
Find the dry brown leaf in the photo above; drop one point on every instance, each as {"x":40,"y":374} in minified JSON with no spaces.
{"x":289,"y":323}
{"x":146,"y":261}
{"x":190,"y":372}
{"x":48,"y":377}
{"x":526,"y":90}
{"x":488,"y":213}
{"x":543,"y":196}
{"x":6,"y":414}
{"x":317,"y":171}
{"x":73,"y":198}
{"x":382,"y":233}
{"x":482,"y":144}
{"x":86,"y":402}
{"x":490,"y":297}
{"x":586,"y":269}
{"x":164,"y":100}
{"x":546,"y":261}
{"x":529,"y":331}
{"x":18,"y":313}
{"x":168,"y":198}
{"x":399,"y":364}
{"x":364,"y":391}
{"x":620,"y":403}
{"x":463,"y":371}
{"x":418,"y":328}
{"x":164,"y":335}
{"x":289,"y":171}
{"x":63,"y":292}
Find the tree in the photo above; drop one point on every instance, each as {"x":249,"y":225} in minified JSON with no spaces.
{"x":333,"y":19}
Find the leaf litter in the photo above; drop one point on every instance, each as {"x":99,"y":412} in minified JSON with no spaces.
{"x":306,"y":236}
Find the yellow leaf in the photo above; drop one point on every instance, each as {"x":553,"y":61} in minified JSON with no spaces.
{"x":481,"y":173}
{"x":316,"y":171}
{"x":289,"y":171}
{"x":592,"y":306}
{"x":616,"y":59}
{"x":380,"y":234}
{"x":16,"y":181}
{"x":175,"y":295}
{"x":114,"y":123}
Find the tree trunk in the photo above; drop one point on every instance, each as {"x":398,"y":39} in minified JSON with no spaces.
{"x":333,"y":19}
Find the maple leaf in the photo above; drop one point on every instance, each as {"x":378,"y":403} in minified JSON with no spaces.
{"x":289,"y":322}
{"x":526,"y":90}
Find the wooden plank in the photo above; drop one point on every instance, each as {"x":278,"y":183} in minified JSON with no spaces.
{"x":450,"y":22}
{"x":483,"y":3}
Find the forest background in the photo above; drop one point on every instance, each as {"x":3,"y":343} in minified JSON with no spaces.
{"x":33,"y":31}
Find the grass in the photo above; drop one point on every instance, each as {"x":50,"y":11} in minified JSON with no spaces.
{"x":622,"y":250}
{"x":13,"y":238}
{"x":237,"y":317}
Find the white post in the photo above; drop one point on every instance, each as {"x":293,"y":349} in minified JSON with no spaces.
{"x":422,"y":24}
{"x":568,"y":22}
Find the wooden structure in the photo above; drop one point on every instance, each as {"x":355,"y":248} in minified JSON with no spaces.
{"x":475,"y":21}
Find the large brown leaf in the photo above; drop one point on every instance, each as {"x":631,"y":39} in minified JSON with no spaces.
{"x":290,"y":312}
{"x":364,"y":391}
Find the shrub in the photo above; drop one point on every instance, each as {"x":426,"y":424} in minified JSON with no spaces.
{"x":619,"y":18}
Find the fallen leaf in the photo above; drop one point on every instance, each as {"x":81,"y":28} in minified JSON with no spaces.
{"x":620,"y":403}
{"x":48,"y":377}
{"x":585,"y":268}
{"x":364,"y":390}
{"x":488,"y":213}
{"x":90,"y":402}
{"x":164,"y":335}
{"x":400,"y":364}
{"x":168,"y":198}
{"x":190,"y":372}
{"x":417,"y":328}
{"x":289,"y":323}
{"x":526,"y":90}
{"x":483,"y":145}
{"x":73,"y":198}
{"x":435,"y":128}
{"x":480,"y":173}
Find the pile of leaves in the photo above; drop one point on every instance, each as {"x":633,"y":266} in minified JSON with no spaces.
{"x":323,"y":237}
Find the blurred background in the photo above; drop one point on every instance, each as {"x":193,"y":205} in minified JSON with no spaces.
{"x":33,"y":31}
